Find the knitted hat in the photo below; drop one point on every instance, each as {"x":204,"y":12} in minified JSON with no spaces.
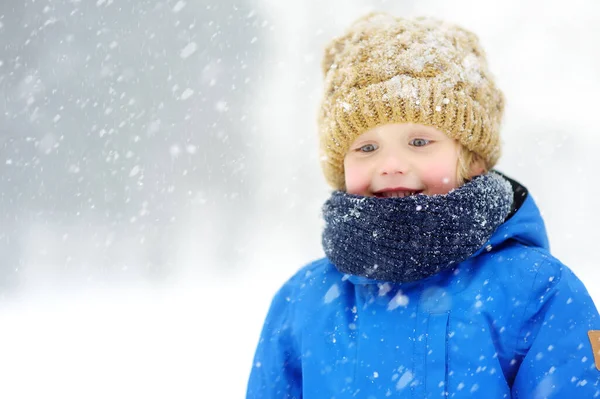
{"x":394,"y":70}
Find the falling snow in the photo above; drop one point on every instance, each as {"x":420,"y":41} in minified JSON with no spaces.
{"x":179,"y":6}
{"x":188,"y":50}
{"x":398,"y":300}
{"x":134,"y":171}
{"x":187,"y":93}
{"x":332,"y":293}
{"x":159,"y":158}
{"x":221,"y":106}
{"x":403,"y":382}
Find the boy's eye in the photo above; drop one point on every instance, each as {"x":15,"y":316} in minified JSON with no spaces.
{"x":419,"y":142}
{"x":368,"y":148}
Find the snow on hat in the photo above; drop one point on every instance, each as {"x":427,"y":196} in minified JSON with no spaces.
{"x":386,"y":69}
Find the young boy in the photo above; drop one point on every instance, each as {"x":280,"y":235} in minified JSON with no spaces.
{"x":438,"y":280}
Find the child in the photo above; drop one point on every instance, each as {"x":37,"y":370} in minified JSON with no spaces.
{"x":438,"y":280}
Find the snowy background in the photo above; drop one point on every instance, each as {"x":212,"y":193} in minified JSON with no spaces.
{"x":159,"y":174}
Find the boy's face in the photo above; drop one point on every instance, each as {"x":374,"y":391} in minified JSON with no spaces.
{"x":401,"y":159}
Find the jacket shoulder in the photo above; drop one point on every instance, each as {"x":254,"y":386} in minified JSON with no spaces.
{"x":313,"y":280}
{"x":520,"y":267}
{"x":539,"y":268}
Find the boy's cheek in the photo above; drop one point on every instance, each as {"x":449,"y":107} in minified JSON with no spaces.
{"x":357,"y":182}
{"x":440,"y":178}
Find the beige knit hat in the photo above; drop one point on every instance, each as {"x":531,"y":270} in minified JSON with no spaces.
{"x":394,"y":70}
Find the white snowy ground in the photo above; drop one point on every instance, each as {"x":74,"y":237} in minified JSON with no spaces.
{"x":194,"y":337}
{"x":131,"y":342}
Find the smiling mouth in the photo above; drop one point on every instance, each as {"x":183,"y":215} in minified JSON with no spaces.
{"x":397,"y":193}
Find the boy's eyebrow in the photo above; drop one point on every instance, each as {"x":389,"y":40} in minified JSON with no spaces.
{"x":425,"y":131}
{"x":361,"y":139}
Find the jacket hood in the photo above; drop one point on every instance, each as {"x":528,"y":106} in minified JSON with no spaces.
{"x":524,"y":224}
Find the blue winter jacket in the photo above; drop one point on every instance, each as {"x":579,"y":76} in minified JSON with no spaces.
{"x":509,"y":322}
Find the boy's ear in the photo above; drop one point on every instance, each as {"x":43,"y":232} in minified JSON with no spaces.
{"x":477,"y":167}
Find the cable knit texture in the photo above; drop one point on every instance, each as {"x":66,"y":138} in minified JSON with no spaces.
{"x":394,"y":70}
{"x":411,"y":238}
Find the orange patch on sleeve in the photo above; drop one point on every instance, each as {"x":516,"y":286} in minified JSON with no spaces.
{"x":595,"y":341}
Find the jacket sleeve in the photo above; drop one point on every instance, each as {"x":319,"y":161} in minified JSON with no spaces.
{"x":276,"y":371}
{"x":553,"y":348}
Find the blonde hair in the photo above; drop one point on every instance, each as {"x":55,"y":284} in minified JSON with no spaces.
{"x":466,"y":160}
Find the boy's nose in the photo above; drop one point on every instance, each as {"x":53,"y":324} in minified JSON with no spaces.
{"x":393,"y":164}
